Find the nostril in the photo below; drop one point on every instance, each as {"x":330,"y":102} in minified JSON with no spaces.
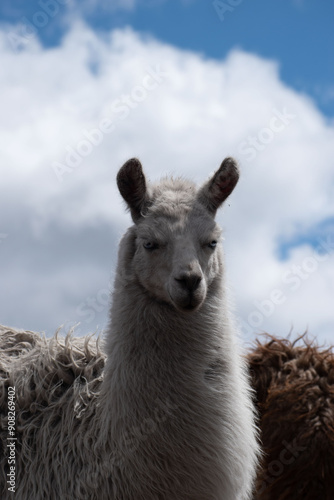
{"x":194,"y":282}
{"x":182,"y":283}
{"x":189,"y":282}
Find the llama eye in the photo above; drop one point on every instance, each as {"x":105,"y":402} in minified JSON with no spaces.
{"x":212,"y":244}
{"x":149,"y":245}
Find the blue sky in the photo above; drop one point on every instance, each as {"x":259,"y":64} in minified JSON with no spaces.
{"x":298,"y":34}
{"x":257,"y":84}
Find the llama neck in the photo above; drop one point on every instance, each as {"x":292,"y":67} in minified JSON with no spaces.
{"x":149,"y":341}
{"x":172,"y":393}
{"x":138,"y":321}
{"x":164,"y":371}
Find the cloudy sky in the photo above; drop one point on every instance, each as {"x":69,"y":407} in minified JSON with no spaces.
{"x":85,"y":85}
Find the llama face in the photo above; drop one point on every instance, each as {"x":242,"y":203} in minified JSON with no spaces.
{"x":177,"y":257}
{"x":174,"y":251}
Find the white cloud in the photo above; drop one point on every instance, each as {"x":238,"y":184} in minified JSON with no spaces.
{"x":184,"y":121}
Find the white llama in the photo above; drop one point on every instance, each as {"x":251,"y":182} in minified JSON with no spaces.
{"x":171,"y":418}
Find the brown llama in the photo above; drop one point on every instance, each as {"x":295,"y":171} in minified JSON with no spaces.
{"x":294,"y":383}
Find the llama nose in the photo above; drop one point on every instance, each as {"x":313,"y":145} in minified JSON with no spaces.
{"x":189,"y":282}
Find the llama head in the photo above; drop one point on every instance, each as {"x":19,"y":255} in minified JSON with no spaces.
{"x":173,"y":249}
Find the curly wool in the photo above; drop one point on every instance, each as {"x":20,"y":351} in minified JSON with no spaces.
{"x":57,"y":386}
{"x":58,"y":421}
{"x":294,"y":383}
{"x":57,"y":383}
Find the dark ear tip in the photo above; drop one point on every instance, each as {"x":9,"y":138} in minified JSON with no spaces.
{"x":231,"y":165}
{"x":131,"y":169}
{"x":132,"y":163}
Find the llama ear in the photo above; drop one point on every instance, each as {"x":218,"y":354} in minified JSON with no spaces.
{"x":131,"y":183}
{"x":220,"y":186}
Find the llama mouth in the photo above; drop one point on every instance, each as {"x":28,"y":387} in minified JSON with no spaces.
{"x":187,"y":300}
{"x":189,"y":305}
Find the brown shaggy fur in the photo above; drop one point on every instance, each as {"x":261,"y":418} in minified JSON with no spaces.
{"x":294,"y":382}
